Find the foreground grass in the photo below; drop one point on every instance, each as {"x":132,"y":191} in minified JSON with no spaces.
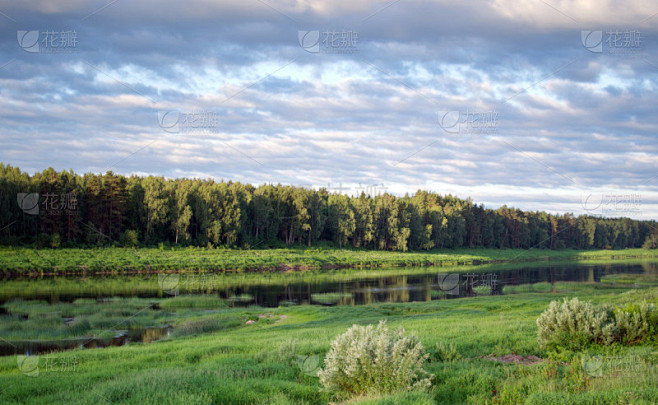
{"x":259,"y":362}
{"x":20,"y":261}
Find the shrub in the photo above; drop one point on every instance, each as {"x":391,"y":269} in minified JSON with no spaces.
{"x":129,"y":238}
{"x":574,"y":324}
{"x":374,"y":361}
{"x":636,"y":323}
{"x":55,"y":241}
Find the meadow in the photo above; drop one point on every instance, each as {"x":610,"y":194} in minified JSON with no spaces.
{"x":481,"y":350}
{"x":25,"y":261}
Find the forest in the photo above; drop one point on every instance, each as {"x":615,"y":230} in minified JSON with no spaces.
{"x":65,"y":209}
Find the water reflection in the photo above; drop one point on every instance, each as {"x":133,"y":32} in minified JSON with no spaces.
{"x":425,"y":286}
{"x":335,"y":289}
{"x":113,"y":338}
{"x":341,"y":289}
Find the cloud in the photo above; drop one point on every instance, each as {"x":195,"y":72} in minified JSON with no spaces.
{"x":568,"y":120}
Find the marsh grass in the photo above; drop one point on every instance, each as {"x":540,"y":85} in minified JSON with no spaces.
{"x":526,"y":288}
{"x":329,"y":298}
{"x":129,"y":260}
{"x":217,"y":358}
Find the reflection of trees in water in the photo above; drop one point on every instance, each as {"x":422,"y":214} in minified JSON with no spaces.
{"x":392,"y":288}
{"x":428,"y":289}
{"x":650,"y":267}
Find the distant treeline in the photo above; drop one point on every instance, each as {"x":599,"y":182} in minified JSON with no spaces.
{"x":65,"y":209}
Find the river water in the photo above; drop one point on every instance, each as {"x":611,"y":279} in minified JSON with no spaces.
{"x":324,"y":288}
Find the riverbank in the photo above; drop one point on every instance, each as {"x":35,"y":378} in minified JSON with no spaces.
{"x":24,"y":261}
{"x":260,"y":355}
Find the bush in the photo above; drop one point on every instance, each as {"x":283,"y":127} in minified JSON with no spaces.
{"x":55,"y":241}
{"x":129,"y":238}
{"x":574,"y":324}
{"x":637,"y":323}
{"x":374,"y":361}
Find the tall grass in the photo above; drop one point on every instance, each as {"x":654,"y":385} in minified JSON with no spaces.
{"x":127,"y":260}
{"x":242,"y":364}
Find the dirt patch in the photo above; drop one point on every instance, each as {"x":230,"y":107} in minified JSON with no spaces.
{"x":514,"y":359}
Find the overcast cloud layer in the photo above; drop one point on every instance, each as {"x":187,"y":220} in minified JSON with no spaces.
{"x":571,"y":120}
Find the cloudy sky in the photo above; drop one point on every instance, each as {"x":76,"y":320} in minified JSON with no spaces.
{"x":543,"y":105}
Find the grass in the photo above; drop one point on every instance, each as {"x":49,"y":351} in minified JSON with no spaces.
{"x":536,"y":287}
{"x":24,"y":261}
{"x":329,"y":298}
{"x":36,"y":324}
{"x":215,"y":357}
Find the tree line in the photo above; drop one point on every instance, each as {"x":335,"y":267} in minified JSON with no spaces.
{"x":54,"y":209}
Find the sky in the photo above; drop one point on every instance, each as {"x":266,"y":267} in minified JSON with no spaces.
{"x":541,"y":105}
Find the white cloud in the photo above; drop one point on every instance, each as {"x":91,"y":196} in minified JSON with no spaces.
{"x":576,"y":121}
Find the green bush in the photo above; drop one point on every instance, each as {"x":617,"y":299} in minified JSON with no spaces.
{"x":574,"y":324}
{"x":374,"y":361}
{"x":129,"y":238}
{"x":637,"y":323}
{"x":55,"y":241}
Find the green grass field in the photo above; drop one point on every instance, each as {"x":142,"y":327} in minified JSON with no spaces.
{"x":17,"y":261}
{"x":221,"y":355}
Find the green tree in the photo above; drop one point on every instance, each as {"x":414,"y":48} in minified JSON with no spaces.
{"x":341,"y":217}
{"x":156,"y":200}
{"x":364,"y":229}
